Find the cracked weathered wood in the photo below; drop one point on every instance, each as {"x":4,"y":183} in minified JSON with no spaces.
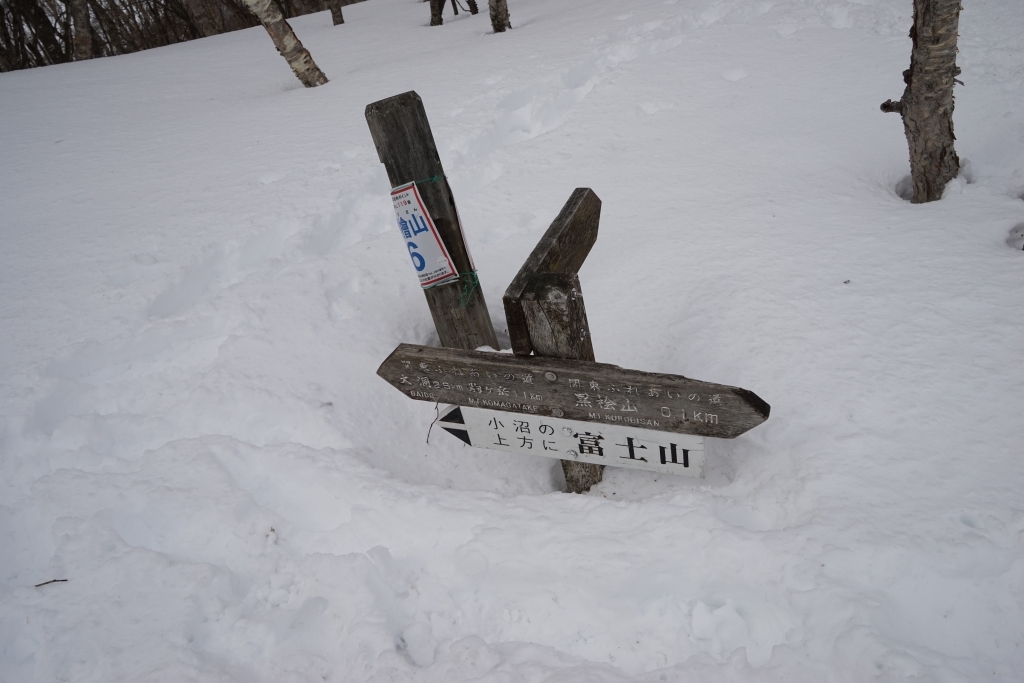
{"x":405,"y":145}
{"x":927,"y":102}
{"x":556,"y":318}
{"x":562,"y":249}
{"x":544,"y":304}
{"x":573,"y":389}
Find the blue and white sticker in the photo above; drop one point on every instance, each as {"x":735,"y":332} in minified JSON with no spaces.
{"x":429,"y":256}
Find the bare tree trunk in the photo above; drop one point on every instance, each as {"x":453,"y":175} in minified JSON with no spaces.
{"x":927,"y":102}
{"x":436,"y":7}
{"x":81,"y":30}
{"x":335,"y":7}
{"x":203,"y":17}
{"x":287,"y":42}
{"x":473,"y":9}
{"x":499,"y":15}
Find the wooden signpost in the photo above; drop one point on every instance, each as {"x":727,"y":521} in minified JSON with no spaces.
{"x":572,"y":389}
{"x":549,"y":397}
{"x":405,"y":145}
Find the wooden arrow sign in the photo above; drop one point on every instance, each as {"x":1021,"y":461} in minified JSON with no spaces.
{"x":574,"y":390}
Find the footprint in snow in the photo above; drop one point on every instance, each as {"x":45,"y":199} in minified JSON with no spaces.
{"x":734,"y":75}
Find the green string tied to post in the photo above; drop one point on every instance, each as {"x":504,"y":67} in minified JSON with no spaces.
{"x":469,"y":284}
{"x":431,"y":179}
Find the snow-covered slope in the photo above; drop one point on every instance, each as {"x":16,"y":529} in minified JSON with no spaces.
{"x":200,"y":273}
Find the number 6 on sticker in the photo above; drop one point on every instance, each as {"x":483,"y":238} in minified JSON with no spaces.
{"x":430,"y":257}
{"x":417,"y":260}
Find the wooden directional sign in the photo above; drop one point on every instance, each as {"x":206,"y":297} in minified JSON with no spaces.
{"x":599,"y":444}
{"x":574,"y":390}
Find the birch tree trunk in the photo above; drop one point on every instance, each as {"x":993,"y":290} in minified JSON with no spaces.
{"x":927,"y":102}
{"x":81,"y":42}
{"x":436,"y":7}
{"x":335,"y":7}
{"x":287,"y":42}
{"x":499,"y":15}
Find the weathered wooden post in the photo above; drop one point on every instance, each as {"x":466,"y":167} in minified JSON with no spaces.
{"x":406,"y":147}
{"x":562,"y":249}
{"x":544,"y":304}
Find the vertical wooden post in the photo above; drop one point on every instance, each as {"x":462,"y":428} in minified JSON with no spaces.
{"x":556,"y":317}
{"x":406,"y":147}
{"x":562,"y":249}
{"x":544,"y":304}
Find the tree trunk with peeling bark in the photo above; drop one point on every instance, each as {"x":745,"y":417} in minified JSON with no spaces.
{"x":436,"y":7}
{"x":499,"y":15}
{"x":287,"y":43}
{"x":336,"y":15}
{"x":927,"y":102}
{"x":81,"y":42}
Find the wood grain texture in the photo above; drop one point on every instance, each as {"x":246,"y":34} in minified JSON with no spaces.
{"x":562,"y":249}
{"x":573,"y":389}
{"x":405,"y":145}
{"x":556,"y":317}
{"x":556,"y":320}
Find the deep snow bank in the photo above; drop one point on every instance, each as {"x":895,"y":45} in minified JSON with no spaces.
{"x":200,"y":275}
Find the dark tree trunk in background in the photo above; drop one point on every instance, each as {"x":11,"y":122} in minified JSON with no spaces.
{"x":287,"y":42}
{"x":81,"y":30}
{"x":927,"y":102}
{"x":436,"y":7}
{"x":203,"y":17}
{"x":499,"y":15}
{"x":335,"y":7}
{"x":473,"y":9}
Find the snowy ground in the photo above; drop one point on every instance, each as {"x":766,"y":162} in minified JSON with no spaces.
{"x":200,"y":274}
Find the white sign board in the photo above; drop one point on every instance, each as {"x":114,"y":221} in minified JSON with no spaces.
{"x":429,"y":256}
{"x":603,"y":444}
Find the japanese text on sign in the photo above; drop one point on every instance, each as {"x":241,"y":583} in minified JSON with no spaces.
{"x":429,"y":256}
{"x":602,"y":444}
